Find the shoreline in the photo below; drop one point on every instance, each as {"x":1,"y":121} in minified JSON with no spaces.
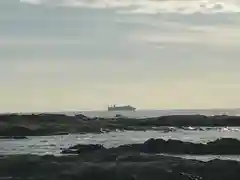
{"x":122,"y":166}
{"x":59,"y":124}
{"x":138,"y":161}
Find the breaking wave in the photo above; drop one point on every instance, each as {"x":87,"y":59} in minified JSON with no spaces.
{"x":150,"y":6}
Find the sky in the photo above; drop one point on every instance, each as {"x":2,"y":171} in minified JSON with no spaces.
{"x":60,"y":55}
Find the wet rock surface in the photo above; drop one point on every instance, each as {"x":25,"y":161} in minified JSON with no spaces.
{"x":13,"y":137}
{"x":83,"y":148}
{"x":225,"y":146}
{"x":54,"y":124}
{"x":123,"y":166}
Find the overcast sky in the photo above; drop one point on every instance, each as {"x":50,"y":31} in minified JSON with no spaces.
{"x":80,"y":54}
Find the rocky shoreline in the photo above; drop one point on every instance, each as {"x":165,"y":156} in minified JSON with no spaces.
{"x":121,"y":166}
{"x":57,"y":124}
{"x":126,"y":162}
{"x":223,"y":146}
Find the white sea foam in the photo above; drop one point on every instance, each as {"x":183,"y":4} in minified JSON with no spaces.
{"x":151,"y":6}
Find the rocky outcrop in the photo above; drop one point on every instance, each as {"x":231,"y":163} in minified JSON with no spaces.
{"x":52,"y":124}
{"x":83,"y":148}
{"x":45,"y":124}
{"x":226,"y":146}
{"x":192,"y":120}
{"x":13,"y":137}
{"x":16,"y":131}
{"x":218,"y":147}
{"x":131,"y":166}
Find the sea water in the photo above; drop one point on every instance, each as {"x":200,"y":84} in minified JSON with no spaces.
{"x":43,"y":145}
{"x":156,"y":113}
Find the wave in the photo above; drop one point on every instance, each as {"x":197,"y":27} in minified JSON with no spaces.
{"x":150,"y":6}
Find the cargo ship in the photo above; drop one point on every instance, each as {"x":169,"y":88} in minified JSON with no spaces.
{"x":121,"y":108}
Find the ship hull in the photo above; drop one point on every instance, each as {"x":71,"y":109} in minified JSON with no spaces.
{"x":121,"y":109}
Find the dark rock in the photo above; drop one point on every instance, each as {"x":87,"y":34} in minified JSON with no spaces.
{"x":82,"y":117}
{"x":190,"y":120}
{"x":61,"y":133}
{"x":132,"y":167}
{"x":51,"y":124}
{"x":118,"y":115}
{"x":83,"y":148}
{"x":225,"y":146}
{"x":13,"y":137}
{"x":16,"y":131}
{"x":220,"y":146}
{"x":69,"y":151}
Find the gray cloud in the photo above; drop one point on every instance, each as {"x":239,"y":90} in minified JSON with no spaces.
{"x":103,"y":55}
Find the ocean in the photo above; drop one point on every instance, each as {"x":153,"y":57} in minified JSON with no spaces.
{"x":157,"y":113}
{"x":52,"y":145}
{"x":42,"y":145}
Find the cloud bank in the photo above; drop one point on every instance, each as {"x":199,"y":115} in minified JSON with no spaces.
{"x":86,"y":54}
{"x":150,"y":6}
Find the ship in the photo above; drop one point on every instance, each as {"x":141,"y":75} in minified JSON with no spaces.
{"x":121,"y":108}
